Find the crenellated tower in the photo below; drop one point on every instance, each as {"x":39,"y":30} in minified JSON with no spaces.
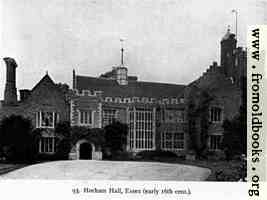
{"x":228,"y":46}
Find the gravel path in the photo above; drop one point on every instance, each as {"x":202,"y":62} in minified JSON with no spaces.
{"x":110,"y":170}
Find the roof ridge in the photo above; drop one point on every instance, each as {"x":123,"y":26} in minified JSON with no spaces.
{"x":161,"y":83}
{"x":150,"y":82}
{"x":42,"y":79}
{"x":110,"y":87}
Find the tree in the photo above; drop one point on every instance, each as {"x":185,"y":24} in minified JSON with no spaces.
{"x":17,"y":141}
{"x":235,"y":135}
{"x":116,"y":136}
{"x":65,"y":90}
{"x":198,"y":104}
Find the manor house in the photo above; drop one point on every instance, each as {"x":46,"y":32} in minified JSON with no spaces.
{"x":160,"y":116}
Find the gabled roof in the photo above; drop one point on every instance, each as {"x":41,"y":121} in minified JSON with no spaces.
{"x":45,"y":88}
{"x":46,"y":79}
{"x":111,"y":88}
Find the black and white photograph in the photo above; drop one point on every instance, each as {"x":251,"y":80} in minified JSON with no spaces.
{"x":125,"y":90}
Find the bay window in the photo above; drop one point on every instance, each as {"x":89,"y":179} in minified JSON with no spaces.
{"x":141,"y":133}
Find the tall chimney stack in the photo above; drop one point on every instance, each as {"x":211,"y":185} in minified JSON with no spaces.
{"x":10,"y":96}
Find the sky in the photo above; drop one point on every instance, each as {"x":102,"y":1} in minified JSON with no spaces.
{"x":171,"y":41}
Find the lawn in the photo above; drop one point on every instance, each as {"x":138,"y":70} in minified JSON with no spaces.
{"x":5,"y":168}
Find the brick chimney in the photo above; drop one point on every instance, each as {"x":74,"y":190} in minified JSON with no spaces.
{"x":10,"y":96}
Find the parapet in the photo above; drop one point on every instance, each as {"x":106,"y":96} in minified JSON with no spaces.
{"x":212,"y":72}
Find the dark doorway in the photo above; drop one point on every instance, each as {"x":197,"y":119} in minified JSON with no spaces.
{"x":86,"y":151}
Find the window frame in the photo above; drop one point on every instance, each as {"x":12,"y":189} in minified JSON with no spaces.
{"x":165,"y":141}
{"x":214,"y":116}
{"x":39,"y":119}
{"x":90,"y":115}
{"x":178,"y":116}
{"x":141,"y":129}
{"x":217,"y":144}
{"x":108,"y":115}
{"x":44,"y":146}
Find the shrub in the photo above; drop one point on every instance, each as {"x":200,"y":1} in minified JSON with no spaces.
{"x":17,"y":140}
{"x":63,"y":143}
{"x":155,"y":155}
{"x":235,"y":137}
{"x":119,"y":156}
{"x":48,"y":157}
{"x":63,"y":149}
{"x":116,"y":136}
{"x":237,"y":174}
{"x":62,"y":129}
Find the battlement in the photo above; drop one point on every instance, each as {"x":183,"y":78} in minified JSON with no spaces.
{"x":88,"y":93}
{"x":213,"y":70}
{"x":145,"y":100}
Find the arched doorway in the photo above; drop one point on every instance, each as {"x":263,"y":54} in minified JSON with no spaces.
{"x":85,"y":151}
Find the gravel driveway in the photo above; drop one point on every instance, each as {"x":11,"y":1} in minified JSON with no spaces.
{"x":110,"y":170}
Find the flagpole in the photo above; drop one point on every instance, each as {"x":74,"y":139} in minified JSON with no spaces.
{"x":122,"y":40}
{"x":235,"y":11}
